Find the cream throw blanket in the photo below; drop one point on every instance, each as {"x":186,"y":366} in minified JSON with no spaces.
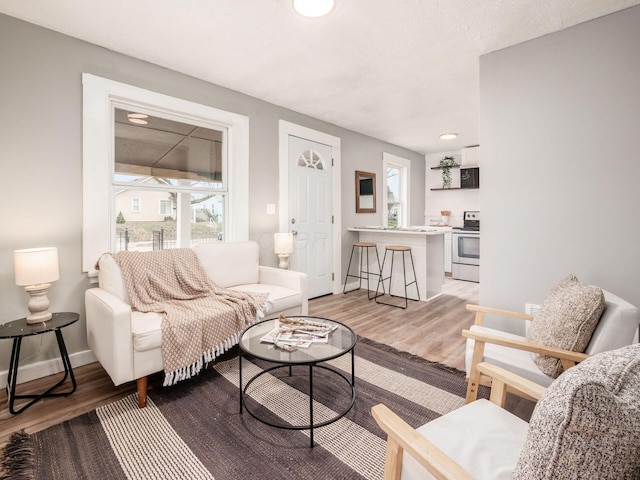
{"x":201,"y":319}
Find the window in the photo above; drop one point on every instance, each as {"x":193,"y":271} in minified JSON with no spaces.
{"x":166,"y":208}
{"x":178,"y":166}
{"x":185,"y":159}
{"x":396,"y":190}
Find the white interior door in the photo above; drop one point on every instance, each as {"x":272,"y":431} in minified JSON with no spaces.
{"x":310,"y":212}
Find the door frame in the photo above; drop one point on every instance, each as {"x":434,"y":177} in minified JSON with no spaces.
{"x":285,"y":129}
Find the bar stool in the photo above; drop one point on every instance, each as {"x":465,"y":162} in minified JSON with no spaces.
{"x":363,"y":246}
{"x":401,"y":249}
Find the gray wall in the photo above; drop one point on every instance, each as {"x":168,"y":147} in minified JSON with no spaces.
{"x":41,"y":133}
{"x":560,"y":122}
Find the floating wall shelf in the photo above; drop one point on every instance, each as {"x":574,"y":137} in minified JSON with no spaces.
{"x":440,"y":168}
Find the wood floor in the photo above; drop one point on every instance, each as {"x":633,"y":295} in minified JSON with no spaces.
{"x":428,"y":329}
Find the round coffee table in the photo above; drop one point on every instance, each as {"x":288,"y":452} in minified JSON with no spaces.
{"x":339,"y":342}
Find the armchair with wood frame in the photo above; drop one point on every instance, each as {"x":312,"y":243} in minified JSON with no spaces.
{"x":586,"y":424}
{"x":617,"y":327}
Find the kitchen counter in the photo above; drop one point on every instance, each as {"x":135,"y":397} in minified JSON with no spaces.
{"x":427,"y":247}
{"x":421,"y":230}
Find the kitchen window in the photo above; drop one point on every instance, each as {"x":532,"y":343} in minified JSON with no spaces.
{"x":395,"y":201}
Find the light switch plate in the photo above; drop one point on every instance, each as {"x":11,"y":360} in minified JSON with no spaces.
{"x":271,"y":208}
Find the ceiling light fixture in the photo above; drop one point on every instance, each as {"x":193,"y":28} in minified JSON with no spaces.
{"x":313,"y":8}
{"x":138,"y":118}
{"x":448,"y":136}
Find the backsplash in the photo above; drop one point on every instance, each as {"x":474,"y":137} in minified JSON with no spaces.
{"x":457,"y":201}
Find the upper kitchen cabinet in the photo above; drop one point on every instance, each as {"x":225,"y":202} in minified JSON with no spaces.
{"x":470,"y":156}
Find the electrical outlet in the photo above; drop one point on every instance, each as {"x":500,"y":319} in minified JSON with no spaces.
{"x":531,"y":308}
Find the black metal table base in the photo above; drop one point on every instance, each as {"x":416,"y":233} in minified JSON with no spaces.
{"x":311,"y":426}
{"x":13,"y":375}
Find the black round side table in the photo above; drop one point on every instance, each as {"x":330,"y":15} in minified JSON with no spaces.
{"x":17,"y":330}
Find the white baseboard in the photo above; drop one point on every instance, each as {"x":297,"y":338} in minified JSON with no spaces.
{"x":45,"y":368}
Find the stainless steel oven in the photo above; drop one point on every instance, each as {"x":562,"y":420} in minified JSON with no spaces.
{"x":465,"y":249}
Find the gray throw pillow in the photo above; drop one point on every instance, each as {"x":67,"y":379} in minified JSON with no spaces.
{"x":587,"y":424}
{"x":566,"y":320}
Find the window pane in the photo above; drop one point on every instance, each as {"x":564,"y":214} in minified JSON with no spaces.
{"x":153,"y":228}
{"x":393,"y":196}
{"x":166,"y":207}
{"x":208,"y":218}
{"x":177,"y":153}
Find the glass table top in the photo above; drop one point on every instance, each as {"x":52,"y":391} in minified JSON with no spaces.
{"x":20,"y":328}
{"x":339,"y":341}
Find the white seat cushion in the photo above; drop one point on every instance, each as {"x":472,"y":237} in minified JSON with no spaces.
{"x":481,"y":437}
{"x":281,"y":298}
{"x":517,"y":361}
{"x":146,"y":330}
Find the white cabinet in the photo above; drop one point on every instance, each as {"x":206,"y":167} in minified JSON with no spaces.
{"x":470,"y":156}
{"x":447,"y":252}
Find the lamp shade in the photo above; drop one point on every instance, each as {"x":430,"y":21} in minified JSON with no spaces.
{"x":283,"y":243}
{"x":34,"y":266}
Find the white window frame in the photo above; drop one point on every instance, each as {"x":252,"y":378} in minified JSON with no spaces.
{"x":404,"y":165}
{"x":160,"y":212}
{"x":100,"y":96}
{"x":136,"y":202}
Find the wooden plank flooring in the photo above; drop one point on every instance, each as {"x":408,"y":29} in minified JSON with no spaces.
{"x":428,"y":329}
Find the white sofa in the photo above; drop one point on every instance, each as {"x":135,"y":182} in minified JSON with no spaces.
{"x":128,"y":343}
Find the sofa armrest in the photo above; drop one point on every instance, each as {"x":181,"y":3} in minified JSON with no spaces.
{"x":109,"y":333}
{"x":288,"y":279}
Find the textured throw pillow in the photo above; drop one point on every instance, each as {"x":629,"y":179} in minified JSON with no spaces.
{"x":587,"y":424}
{"x":566,"y":319}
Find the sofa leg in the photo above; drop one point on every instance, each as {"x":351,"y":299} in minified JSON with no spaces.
{"x":142,"y":391}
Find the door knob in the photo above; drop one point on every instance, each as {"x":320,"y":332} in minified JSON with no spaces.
{"x":294,"y":232}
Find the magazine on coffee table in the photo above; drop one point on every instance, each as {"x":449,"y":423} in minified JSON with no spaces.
{"x":298,"y":332}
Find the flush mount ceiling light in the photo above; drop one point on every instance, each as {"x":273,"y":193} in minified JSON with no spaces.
{"x":138,"y":118}
{"x":313,"y":8}
{"x":448,"y":136}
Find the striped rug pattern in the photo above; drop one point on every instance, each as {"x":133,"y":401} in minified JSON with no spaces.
{"x":194,"y":430}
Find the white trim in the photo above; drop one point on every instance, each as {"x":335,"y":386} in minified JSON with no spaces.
{"x":404,"y":164}
{"x":99,"y":97}
{"x":33,"y":371}
{"x":286,"y":129}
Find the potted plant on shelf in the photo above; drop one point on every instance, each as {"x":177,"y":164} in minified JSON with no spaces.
{"x":446,"y":164}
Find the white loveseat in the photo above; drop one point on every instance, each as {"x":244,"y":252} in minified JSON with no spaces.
{"x":128,"y":343}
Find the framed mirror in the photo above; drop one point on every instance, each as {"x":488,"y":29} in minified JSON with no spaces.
{"x":365,"y":192}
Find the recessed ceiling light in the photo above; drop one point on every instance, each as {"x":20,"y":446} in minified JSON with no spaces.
{"x":137,"y":115}
{"x":448,"y":136}
{"x":138,"y":121}
{"x":313,"y":8}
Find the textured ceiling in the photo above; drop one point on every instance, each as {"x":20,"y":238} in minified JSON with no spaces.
{"x":403,"y":71}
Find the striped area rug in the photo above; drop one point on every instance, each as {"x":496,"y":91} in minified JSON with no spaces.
{"x":194,"y":430}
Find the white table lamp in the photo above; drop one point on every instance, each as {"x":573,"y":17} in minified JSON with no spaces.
{"x":35,"y":269}
{"x":283,"y":247}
